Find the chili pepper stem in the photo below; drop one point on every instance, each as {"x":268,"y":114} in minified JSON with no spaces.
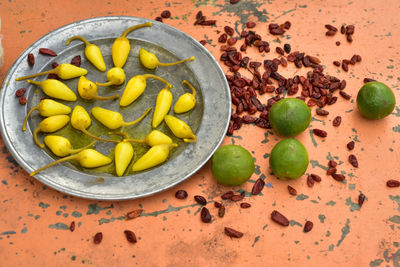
{"x":97,"y":137}
{"x":79,"y":38}
{"x":157,"y":78}
{"x":125,"y":135}
{"x":138,"y":119}
{"x":175,"y":63}
{"x":35,"y":75}
{"x":77,"y":150}
{"x":127,"y":31}
{"x":116,"y":96}
{"x":27,"y":117}
{"x":104,"y":84}
{"x":191,"y":87}
{"x":190,"y":140}
{"x":35,"y":132}
{"x":54,"y":163}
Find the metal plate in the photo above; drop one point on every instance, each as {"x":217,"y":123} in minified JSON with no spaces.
{"x":209,"y":119}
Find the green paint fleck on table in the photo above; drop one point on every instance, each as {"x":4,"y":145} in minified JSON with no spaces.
{"x":44,"y":205}
{"x":59,"y":226}
{"x":353,"y":206}
{"x":293,"y":223}
{"x":345,"y":232}
{"x":330,"y":203}
{"x":322,"y":218}
{"x":302,"y":197}
{"x":255,"y":240}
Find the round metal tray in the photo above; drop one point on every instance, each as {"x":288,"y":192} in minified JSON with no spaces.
{"x":209,"y":119}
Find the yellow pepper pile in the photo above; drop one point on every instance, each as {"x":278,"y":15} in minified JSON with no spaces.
{"x":57,"y":114}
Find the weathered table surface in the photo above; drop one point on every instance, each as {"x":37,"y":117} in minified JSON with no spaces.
{"x":34,"y":224}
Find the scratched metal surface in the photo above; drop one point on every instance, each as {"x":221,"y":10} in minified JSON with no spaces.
{"x":35,"y":219}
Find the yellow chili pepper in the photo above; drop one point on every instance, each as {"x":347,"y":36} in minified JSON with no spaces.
{"x":49,"y":125}
{"x":135,"y":87}
{"x":87,"y":158}
{"x":150,"y":60}
{"x":61,"y":146}
{"x":55,"y":88}
{"x":65,"y":71}
{"x":186,"y":101}
{"x":180,"y":129}
{"x":80,"y":120}
{"x":153,"y":157}
{"x":88,"y":90}
{"x":157,"y":138}
{"x":122,"y":46}
{"x":46,"y":108}
{"x":92,"y":53}
{"x":113,"y":119}
{"x":115,"y":76}
{"x":163,"y":104}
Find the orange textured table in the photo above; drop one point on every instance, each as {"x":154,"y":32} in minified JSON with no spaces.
{"x":35,"y":220}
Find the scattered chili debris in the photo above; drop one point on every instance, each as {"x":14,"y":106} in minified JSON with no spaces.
{"x":20,"y":92}
{"x":221,"y":211}
{"x":22,"y":100}
{"x":332,"y":163}
{"x":130,"y":236}
{"x":291,"y":190}
{"x":331,"y":171}
{"x":361,"y":199}
{"x":203,"y":42}
{"x":350,"y":145}
{"x":353,"y":161}
{"x":310,"y":181}
{"x":337,"y":121}
{"x":133,"y":214}
{"x":217,"y":204}
{"x":201,"y":200}
{"x":338,"y":177}
{"x":72,"y":226}
{"x":231,"y":232}
{"x":98,"y":237}
{"x":159,"y":19}
{"x":367,"y":80}
{"x":166,"y":14}
{"x":227,"y":195}
{"x":181,"y":194}
{"x":308,"y":226}
{"x":258,"y":187}
{"x":277,"y":217}
{"x":245,"y":205}
{"x":76,"y":61}
{"x":234,"y":1}
{"x":46,"y":51}
{"x":205,"y":215}
{"x":316,"y":178}
{"x":320,"y":133}
{"x":31,"y":59}
{"x":393,"y":183}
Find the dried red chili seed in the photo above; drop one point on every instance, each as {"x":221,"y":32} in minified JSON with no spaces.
{"x":221,"y":211}
{"x":336,"y":63}
{"x":353,"y":160}
{"x":308,"y":226}
{"x":166,"y":14}
{"x":322,"y":112}
{"x":72,"y":226}
{"x":291,"y":190}
{"x":331,"y":28}
{"x":98,"y":237}
{"x":350,"y":29}
{"x":31,"y":59}
{"x":203,"y":42}
{"x":332,"y":100}
{"x":337,"y":121}
{"x":133,"y":214}
{"x":199,"y":15}
{"x":234,"y":1}
{"x":223,"y":38}
{"x":277,"y":217}
{"x":361,"y":199}
{"x":232,"y":41}
{"x":320,"y":133}
{"x":346,"y":61}
{"x":258,"y":187}
{"x":20,"y":92}
{"x":181,"y":194}
{"x":330,"y":33}
{"x":287,"y":48}
{"x":331,"y":171}
{"x":250,"y":24}
{"x":53,"y":76}
{"x":237,"y":197}
{"x":205,"y":215}
{"x":54,"y":65}
{"x":316,"y":178}
{"x":22,"y":100}
{"x":342,"y":30}
{"x":287,"y":25}
{"x":338,"y":177}
{"x":76,"y":61}
{"x":349,"y":38}
{"x":367,"y":80}
{"x":332,"y":163}
{"x":359,"y":58}
{"x":314,"y":60}
{"x":283,"y":62}
{"x":130,"y":236}
{"x":217,"y":204}
{"x":310,"y":181}
{"x":201,"y":200}
{"x":228,"y":30}
{"x":230,"y":130}
{"x":245,"y":205}
{"x":207,"y":22}
{"x":337,"y":43}
{"x":46,"y":51}
{"x":350,"y":145}
{"x":345,"y":67}
{"x":232,"y":233}
{"x":276,"y":31}
{"x":345,"y":95}
{"x":353,"y":59}
{"x":393,"y":183}
{"x":227,"y":195}
{"x":160,"y":19}
{"x":263,"y":123}
{"x":279,"y":50}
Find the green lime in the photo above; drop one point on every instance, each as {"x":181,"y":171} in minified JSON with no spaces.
{"x":289,"y":116}
{"x":288,"y":159}
{"x":232,"y":165}
{"x":375,"y":100}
